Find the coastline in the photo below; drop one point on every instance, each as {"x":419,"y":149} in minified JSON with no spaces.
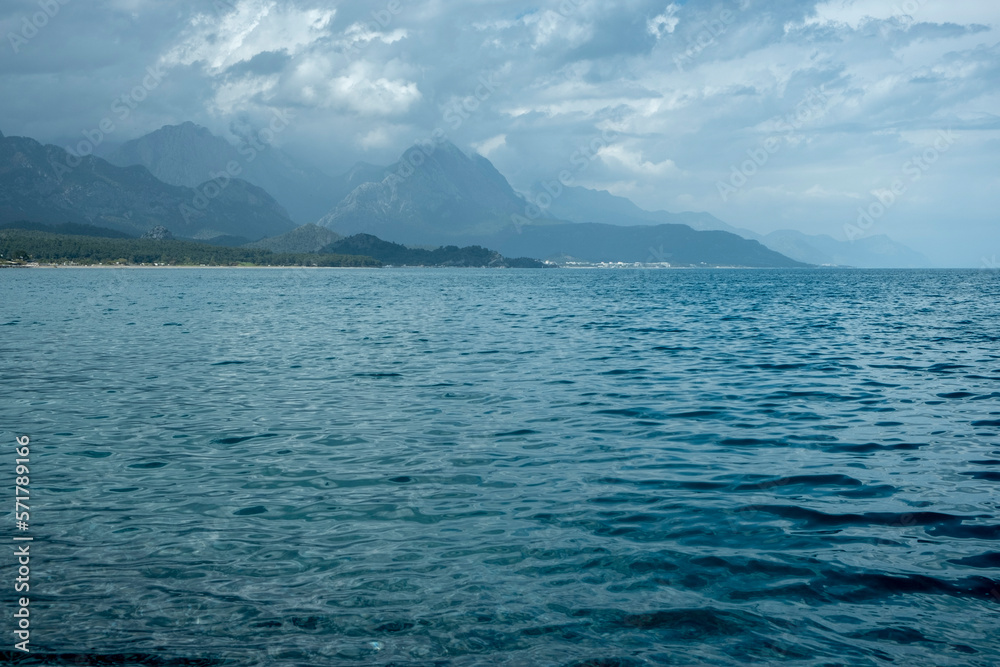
{"x":179,"y":266}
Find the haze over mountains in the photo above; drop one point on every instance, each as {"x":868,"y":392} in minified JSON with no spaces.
{"x":199,"y":185}
{"x":434,"y":195}
{"x":438,"y":194}
{"x":189,"y":155}
{"x":578,"y":204}
{"x":47,"y":184}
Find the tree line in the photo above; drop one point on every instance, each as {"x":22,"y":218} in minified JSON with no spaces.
{"x":19,"y":246}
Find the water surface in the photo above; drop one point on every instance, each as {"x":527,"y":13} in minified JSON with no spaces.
{"x":476,"y":467}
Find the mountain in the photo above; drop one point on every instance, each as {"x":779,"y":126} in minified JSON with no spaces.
{"x":307,"y":238}
{"x":359,"y":174}
{"x":18,"y":246}
{"x":678,"y":245}
{"x":46,"y":184}
{"x":399,"y":255}
{"x":443,"y":197}
{"x":578,"y":204}
{"x":67,"y":229}
{"x":870,"y":252}
{"x":189,"y":154}
{"x":448,"y":197}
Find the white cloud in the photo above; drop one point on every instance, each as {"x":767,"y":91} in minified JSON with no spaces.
{"x":549,"y":27}
{"x":361,"y":90}
{"x":376,"y":138}
{"x":665,"y":23}
{"x":252,"y":28}
{"x":486,"y":147}
{"x":361,"y":34}
{"x":262,"y":26}
{"x":633,"y":162}
{"x":853,"y":13}
{"x":231,"y":96}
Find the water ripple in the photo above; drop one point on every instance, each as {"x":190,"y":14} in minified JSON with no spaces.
{"x":457,"y":468}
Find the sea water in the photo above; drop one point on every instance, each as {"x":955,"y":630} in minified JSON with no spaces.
{"x":504,"y":467}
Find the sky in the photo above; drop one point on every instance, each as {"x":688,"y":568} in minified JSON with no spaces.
{"x":840,"y":117}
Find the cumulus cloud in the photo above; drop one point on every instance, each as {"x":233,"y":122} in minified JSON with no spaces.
{"x":298,"y":47}
{"x":486,"y":148}
{"x":632,"y":161}
{"x":252,"y":27}
{"x":243,"y":48}
{"x":553,"y":26}
{"x":665,"y":23}
{"x":361,"y":89}
{"x":361,"y":34}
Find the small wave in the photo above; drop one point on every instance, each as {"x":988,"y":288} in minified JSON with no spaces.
{"x":235,"y":440}
{"x":251,"y":511}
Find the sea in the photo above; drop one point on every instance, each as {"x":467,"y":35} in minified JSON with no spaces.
{"x":463,"y":467}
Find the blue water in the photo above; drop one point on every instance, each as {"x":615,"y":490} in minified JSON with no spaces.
{"x":464,"y":467}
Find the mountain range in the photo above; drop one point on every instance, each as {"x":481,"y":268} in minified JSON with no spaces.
{"x":438,"y":194}
{"x":189,"y":155}
{"x":202,"y":186}
{"x":46,"y":184}
{"x":435,"y":195}
{"x":579,"y":204}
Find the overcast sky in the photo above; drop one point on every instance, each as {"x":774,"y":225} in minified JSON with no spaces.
{"x":769,"y":114}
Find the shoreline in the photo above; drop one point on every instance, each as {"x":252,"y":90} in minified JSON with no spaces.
{"x":181,"y":266}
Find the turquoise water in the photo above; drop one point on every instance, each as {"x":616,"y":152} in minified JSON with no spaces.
{"x":465,"y":467}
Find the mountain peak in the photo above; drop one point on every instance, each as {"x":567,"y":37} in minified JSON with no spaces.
{"x":127,"y":199}
{"x":189,"y":154}
{"x":185,"y":154}
{"x":444,"y":153}
{"x":187,"y":127}
{"x":450,"y":147}
{"x":433,"y":194}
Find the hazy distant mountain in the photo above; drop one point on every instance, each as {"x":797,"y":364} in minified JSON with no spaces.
{"x":359,"y":174}
{"x":68,"y":229}
{"x":307,"y":238}
{"x":578,"y":204}
{"x":678,"y":245}
{"x":41,"y":184}
{"x":185,"y":154}
{"x":189,"y":154}
{"x":448,"y":196}
{"x":870,"y":252}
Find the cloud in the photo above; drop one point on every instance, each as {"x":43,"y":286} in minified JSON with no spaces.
{"x":552,"y":26}
{"x":665,"y":23}
{"x":359,"y":90}
{"x":632,"y":161}
{"x":856,"y":13}
{"x":376,"y":138}
{"x":232,"y":96}
{"x":245,"y":49}
{"x":253,"y":27}
{"x":361,"y":34}
{"x":485,"y":148}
